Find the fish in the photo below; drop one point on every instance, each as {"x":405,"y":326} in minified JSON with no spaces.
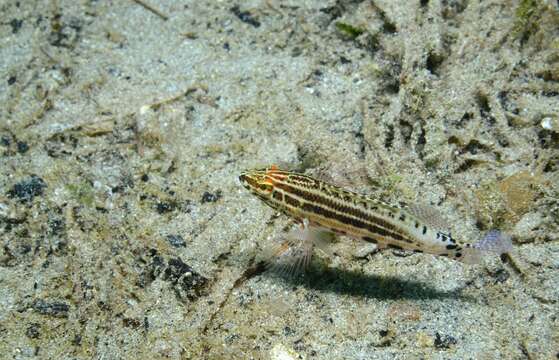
{"x":323,"y":210}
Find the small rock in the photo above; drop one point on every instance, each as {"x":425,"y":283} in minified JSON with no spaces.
{"x":22,"y":147}
{"x":245,"y":16}
{"x":281,"y":352}
{"x":164,"y":207}
{"x":56,"y":309}
{"x":16,"y":25}
{"x":501,"y":275}
{"x":33,"y":331}
{"x":5,"y":141}
{"x":186,"y":282}
{"x":77,"y":340}
{"x":365,"y":250}
{"x":444,"y":342}
{"x":551,"y":124}
{"x":26,"y":190}
{"x":209,"y":197}
{"x":176,"y":240}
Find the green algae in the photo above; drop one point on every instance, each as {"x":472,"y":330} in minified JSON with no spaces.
{"x":526,"y":19}
{"x":349,"y":31}
{"x":82,"y":192}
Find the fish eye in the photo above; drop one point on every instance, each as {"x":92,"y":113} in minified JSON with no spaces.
{"x":266,"y":187}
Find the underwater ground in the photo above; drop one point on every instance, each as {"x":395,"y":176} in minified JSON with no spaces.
{"x":125,"y":233}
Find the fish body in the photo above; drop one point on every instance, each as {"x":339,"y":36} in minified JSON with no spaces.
{"x":330,"y":208}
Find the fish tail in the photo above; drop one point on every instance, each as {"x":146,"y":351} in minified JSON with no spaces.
{"x":494,"y":242}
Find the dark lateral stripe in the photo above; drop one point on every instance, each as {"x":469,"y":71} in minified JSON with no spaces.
{"x":370,"y":239}
{"x":315,"y":198}
{"x":291,"y":201}
{"x":278,"y":195}
{"x":316,"y":209}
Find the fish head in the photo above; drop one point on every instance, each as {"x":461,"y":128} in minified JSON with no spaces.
{"x":259,"y":181}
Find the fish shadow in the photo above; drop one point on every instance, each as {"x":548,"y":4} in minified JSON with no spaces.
{"x":355,"y":283}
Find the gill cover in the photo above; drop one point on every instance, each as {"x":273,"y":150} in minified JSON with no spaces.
{"x":259,"y":181}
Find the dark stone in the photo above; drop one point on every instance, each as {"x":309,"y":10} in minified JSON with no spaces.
{"x":334,"y":11}
{"x":26,"y":190}
{"x":131,"y":323}
{"x":12,"y":80}
{"x":77,"y":340}
{"x":176,"y":240}
{"x":287,"y":331}
{"x":117,"y":189}
{"x":5,"y":141}
{"x":444,"y":343}
{"x":16,"y":25}
{"x":33,"y":331}
{"x":433,"y":63}
{"x":25,"y":249}
{"x":209,"y":197}
{"x":186,"y":282}
{"x":245,"y":16}
{"x":501,"y":275}
{"x":56,"y":226}
{"x":56,"y":309}
{"x":549,"y":93}
{"x":154,"y":269}
{"x":22,"y":147}
{"x":144,"y":177}
{"x":164,"y":207}
{"x":383,"y":333}
{"x":175,"y":269}
{"x":299,"y":345}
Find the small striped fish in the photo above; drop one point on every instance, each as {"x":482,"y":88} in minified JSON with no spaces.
{"x":323,"y":209}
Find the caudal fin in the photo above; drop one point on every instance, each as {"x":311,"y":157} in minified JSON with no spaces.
{"x":493,"y":242}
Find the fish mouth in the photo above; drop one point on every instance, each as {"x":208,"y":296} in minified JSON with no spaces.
{"x":247,"y":181}
{"x":243,"y":180}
